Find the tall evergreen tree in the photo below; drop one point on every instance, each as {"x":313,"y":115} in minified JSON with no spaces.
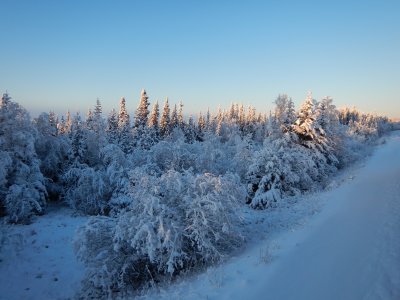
{"x":165,"y":120}
{"x":98,"y":110}
{"x":190,"y":131}
{"x":154,"y":116}
{"x":142,"y":112}
{"x":174,"y":118}
{"x":112,"y":127}
{"x":125,"y":138}
{"x":181,"y":120}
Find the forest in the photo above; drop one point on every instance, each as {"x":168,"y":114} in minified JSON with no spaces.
{"x":164,"y":192}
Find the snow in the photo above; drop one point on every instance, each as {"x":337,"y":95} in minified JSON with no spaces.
{"x":37,"y":260}
{"x":342,"y":243}
{"x":351,"y":250}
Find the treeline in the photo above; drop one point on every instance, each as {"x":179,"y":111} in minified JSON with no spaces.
{"x":165,"y":191}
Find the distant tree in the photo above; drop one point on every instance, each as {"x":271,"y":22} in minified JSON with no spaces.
{"x":174,"y":123}
{"x":190,"y":131}
{"x":181,"y":119}
{"x":125,"y":137}
{"x":201,"y":126}
{"x":155,"y":114}
{"x":78,"y":140}
{"x":142,"y":112}
{"x":165,"y":120}
{"x":112,"y":127}
{"x":153,"y":124}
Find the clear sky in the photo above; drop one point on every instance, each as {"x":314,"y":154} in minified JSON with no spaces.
{"x":59,"y":55}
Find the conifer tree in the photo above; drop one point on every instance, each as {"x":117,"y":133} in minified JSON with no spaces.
{"x":89,"y":122}
{"x":124,"y":139}
{"x":174,"y":118}
{"x":98,"y":110}
{"x":112,"y":127}
{"x":142,"y":111}
{"x":78,"y":139}
{"x":165,"y":120}
{"x":155,"y":114}
{"x":68,"y":123}
{"x":181,"y":120}
{"x":201,"y":125}
{"x":153,"y":127}
{"x":190,"y":131}
{"x":208,"y":120}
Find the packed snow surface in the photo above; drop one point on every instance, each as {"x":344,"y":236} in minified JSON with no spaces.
{"x":349,"y":250}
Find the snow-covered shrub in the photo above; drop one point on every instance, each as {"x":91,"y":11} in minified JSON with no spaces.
{"x":86,"y":189}
{"x":264,"y":179}
{"x":178,"y":221}
{"x":22,"y":188}
{"x":22,"y":201}
{"x":54,"y":152}
{"x":94,"y":247}
{"x":116,"y":168}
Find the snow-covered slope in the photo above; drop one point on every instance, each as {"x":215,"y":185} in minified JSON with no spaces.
{"x":351,"y":250}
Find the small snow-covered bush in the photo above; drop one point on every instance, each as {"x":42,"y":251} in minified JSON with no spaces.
{"x":178,"y":221}
{"x":22,"y":201}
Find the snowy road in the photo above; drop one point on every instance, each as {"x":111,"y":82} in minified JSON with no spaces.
{"x":351,"y":250}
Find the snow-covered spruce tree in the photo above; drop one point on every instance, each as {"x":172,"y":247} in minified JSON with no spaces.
{"x":78,"y":140}
{"x":142,"y":112}
{"x":142,"y":134}
{"x":94,"y":135}
{"x":22,"y":188}
{"x":312,"y":136}
{"x":201,"y":126}
{"x":210,"y":128}
{"x":124,"y":128}
{"x":165,"y":121}
{"x":305,"y":125}
{"x":264,"y":178}
{"x":190,"y":131}
{"x":174,"y":123}
{"x":181,"y":119}
{"x":179,"y":221}
{"x":153,"y":127}
{"x":112,"y":127}
{"x":280,"y":168}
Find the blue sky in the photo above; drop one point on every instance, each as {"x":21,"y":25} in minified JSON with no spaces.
{"x":59,"y":55}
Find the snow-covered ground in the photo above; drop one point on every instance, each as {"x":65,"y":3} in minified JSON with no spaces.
{"x":350,"y":250}
{"x":37,"y":260}
{"x":343,"y":243}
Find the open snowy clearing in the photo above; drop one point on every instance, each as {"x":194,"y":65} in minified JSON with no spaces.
{"x":350,"y":250}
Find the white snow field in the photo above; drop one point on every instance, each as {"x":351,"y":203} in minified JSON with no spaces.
{"x":350,"y":249}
